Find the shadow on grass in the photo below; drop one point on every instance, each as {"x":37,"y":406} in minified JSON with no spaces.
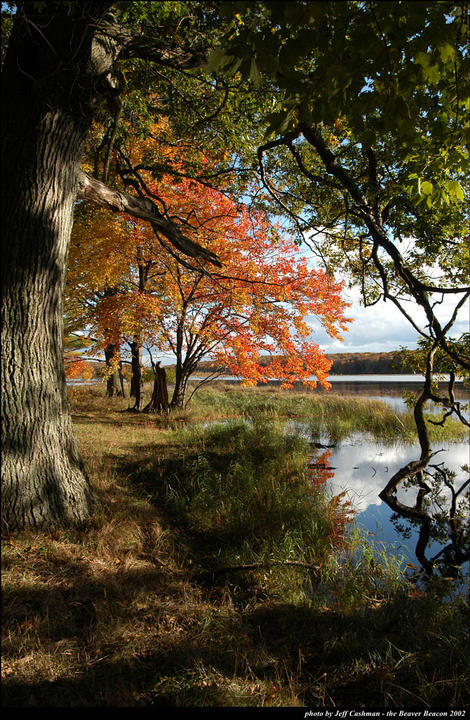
{"x":322,"y":658}
{"x":122,"y":418}
{"x":238,"y":492}
{"x":149,"y":635}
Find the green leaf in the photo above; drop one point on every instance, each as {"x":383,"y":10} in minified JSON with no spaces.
{"x":432,"y":74}
{"x":454,"y":188}
{"x":426,"y":188}
{"x":275,"y":121}
{"x":422,"y":59}
{"x":447,"y":52}
{"x":217,"y":59}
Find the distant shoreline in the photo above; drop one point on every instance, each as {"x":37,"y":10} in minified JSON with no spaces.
{"x":395,"y":378}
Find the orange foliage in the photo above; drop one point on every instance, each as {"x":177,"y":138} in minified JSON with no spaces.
{"x":125,"y":283}
{"x":75,"y":367}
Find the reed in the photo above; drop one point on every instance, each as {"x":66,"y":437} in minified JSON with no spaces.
{"x":335,"y":416}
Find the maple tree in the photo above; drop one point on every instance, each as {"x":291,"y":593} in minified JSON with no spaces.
{"x":128,"y":286}
{"x":258,"y":305}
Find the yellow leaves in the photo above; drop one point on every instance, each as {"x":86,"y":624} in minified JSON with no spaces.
{"x":87,"y":372}
{"x":98,"y":250}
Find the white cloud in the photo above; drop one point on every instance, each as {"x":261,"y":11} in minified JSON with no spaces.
{"x":382,"y":327}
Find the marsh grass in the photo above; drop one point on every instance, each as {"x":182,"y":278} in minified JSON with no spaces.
{"x":330,"y":415}
{"x":240,"y":493}
{"x":129,"y":611}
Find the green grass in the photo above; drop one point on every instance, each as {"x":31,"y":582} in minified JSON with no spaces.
{"x":238,"y":493}
{"x":183,"y":590}
{"x":334,"y":416}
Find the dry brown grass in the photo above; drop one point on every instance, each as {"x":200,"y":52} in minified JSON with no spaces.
{"x":111,"y":614}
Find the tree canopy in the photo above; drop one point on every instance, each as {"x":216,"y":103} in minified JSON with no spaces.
{"x":122,"y":283}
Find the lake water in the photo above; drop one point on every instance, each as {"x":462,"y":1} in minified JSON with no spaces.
{"x":362,"y":468}
{"x":392,"y":379}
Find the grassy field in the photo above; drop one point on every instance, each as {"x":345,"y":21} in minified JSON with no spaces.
{"x":216,"y":571}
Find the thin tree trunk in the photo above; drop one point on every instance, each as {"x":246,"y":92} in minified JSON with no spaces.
{"x":179,"y":391}
{"x":177,"y":399}
{"x":115,"y":381}
{"x":136,"y":379}
{"x":121,"y":380}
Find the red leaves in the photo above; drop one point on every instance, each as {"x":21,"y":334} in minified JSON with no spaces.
{"x":76,"y":367}
{"x":259,"y":304}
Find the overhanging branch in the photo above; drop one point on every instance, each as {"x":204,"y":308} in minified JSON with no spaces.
{"x":97,"y":193}
{"x":154,"y":49}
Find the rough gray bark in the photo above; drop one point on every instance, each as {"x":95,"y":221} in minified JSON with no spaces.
{"x":98,"y":193}
{"x":43,"y":477}
{"x":45,"y":125}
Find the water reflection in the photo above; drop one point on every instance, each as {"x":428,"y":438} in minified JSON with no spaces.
{"x":362,"y":468}
{"x":359,"y":469}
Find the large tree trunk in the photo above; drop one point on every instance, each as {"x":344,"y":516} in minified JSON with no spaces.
{"x":43,"y":480}
{"x":43,"y":477}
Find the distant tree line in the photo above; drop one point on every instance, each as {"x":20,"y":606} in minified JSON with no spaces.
{"x":366,"y":363}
